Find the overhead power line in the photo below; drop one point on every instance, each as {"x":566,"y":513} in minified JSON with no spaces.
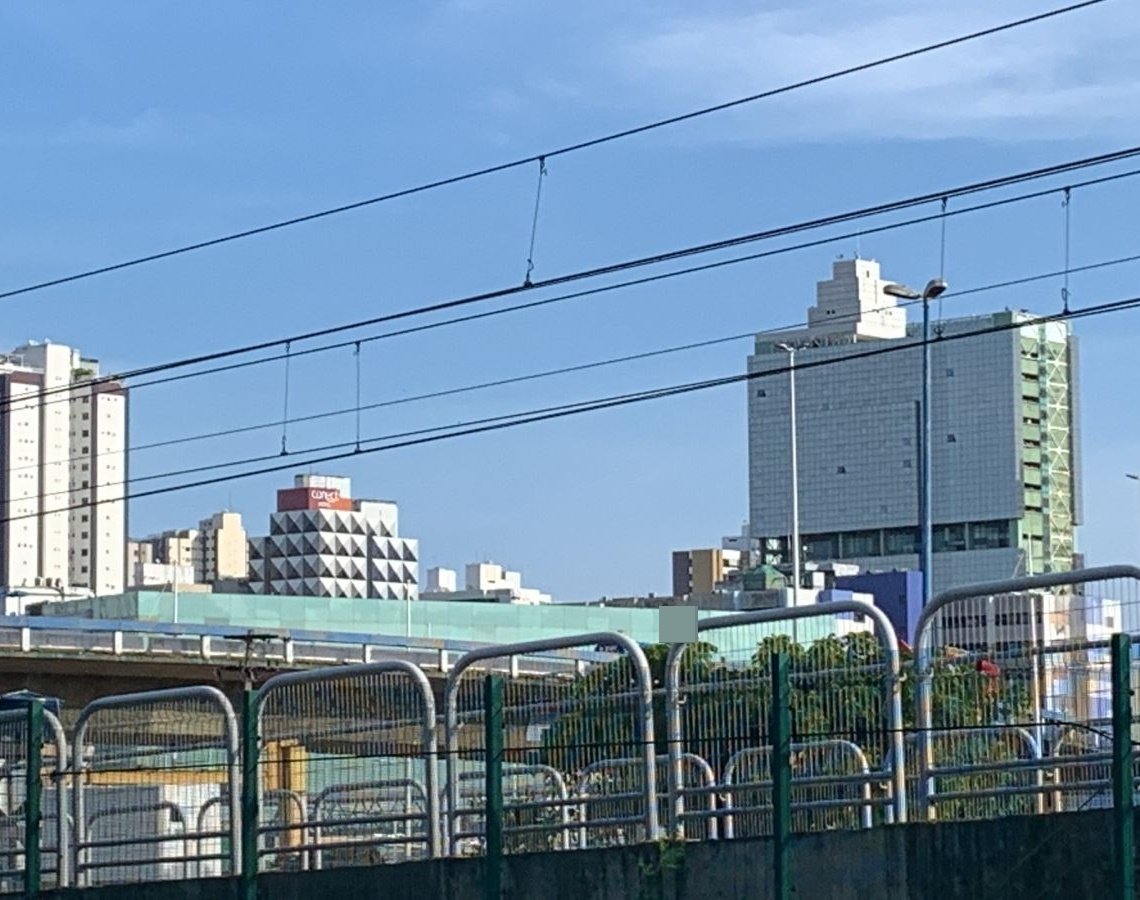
{"x":564,"y":370}
{"x":1054,"y":170}
{"x":549,"y":154}
{"x":528,"y":417}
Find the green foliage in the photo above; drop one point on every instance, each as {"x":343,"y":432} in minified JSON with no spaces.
{"x":838,"y":692}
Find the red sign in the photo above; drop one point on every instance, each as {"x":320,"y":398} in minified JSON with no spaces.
{"x":311,"y":498}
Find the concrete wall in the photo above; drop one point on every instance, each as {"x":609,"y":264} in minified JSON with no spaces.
{"x":1059,"y":856}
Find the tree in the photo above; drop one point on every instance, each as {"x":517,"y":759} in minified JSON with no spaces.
{"x":837,"y":694}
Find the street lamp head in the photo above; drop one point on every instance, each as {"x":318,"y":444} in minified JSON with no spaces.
{"x":901,"y":290}
{"x":934,"y":288}
{"x":787,"y":348}
{"x":1132,"y":476}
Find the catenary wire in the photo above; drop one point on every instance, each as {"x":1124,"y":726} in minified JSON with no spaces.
{"x":781,"y":231}
{"x":560,"y":151}
{"x":528,"y":417}
{"x":565,"y":370}
{"x":751,"y":257}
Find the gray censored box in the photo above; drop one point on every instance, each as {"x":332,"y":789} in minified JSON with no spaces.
{"x":677,"y":624}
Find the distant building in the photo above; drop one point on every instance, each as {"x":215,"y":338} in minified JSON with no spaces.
{"x":484,"y":581}
{"x":1005,"y":467}
{"x":703,"y":571}
{"x":22,"y":601}
{"x":170,"y":548}
{"x":223,"y":549}
{"x":898,"y":594}
{"x":1073,"y":684}
{"x":441,"y":580}
{"x":216,"y":551}
{"x":324,"y":543}
{"x":63,"y":470}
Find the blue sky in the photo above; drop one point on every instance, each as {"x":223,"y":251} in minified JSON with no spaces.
{"x":163,"y":123}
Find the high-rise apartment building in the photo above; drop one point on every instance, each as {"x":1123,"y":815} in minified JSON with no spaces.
{"x":323,"y":543}
{"x":1005,"y":477}
{"x":63,"y":470}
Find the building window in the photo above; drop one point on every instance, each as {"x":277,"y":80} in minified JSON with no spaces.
{"x":951,"y":439}
{"x":761,"y":393}
{"x":841,"y":470}
{"x":949,"y":373}
{"x":821,"y":546}
{"x":900,"y":541}
{"x":950,"y":537}
{"x":990,"y":535}
{"x":861,"y":543}
{"x":907,"y":464}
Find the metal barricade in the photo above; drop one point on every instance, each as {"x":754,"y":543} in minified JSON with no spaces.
{"x":601,"y":784}
{"x":357,"y":744}
{"x":55,"y":861}
{"x":832,"y":787}
{"x":846,"y":686}
{"x":1024,"y":654}
{"x":565,"y":720}
{"x":538,"y":800}
{"x":978,"y":773}
{"x":143,"y":765}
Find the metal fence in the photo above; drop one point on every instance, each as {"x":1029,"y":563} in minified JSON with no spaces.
{"x":347,"y":764}
{"x":1010,"y":690}
{"x":143,"y":767}
{"x":568,"y":724}
{"x":17,"y":780}
{"x":1014,"y":690}
{"x":846,"y":716}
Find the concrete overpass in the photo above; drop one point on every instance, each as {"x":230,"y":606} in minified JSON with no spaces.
{"x":79,"y":660}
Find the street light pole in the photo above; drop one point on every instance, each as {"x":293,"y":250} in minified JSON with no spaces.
{"x":934,"y":288}
{"x":924,"y":462}
{"x":796,"y":577}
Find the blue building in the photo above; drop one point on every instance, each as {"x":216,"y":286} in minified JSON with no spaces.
{"x":898,"y":594}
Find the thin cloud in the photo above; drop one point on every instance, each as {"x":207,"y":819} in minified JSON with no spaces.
{"x":149,"y":129}
{"x":1055,"y":79}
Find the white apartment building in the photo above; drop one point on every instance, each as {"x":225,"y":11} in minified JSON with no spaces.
{"x":63,"y":468}
{"x":1005,"y":478}
{"x":483,"y":581}
{"x":324,"y":543}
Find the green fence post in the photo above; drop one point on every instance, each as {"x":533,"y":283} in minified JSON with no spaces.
{"x":1123,"y":826}
{"x":493,"y":772}
{"x":780,"y":730}
{"x":250,"y":747}
{"x":32,"y":796}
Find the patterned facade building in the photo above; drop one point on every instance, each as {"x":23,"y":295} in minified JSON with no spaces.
{"x":324,"y":543}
